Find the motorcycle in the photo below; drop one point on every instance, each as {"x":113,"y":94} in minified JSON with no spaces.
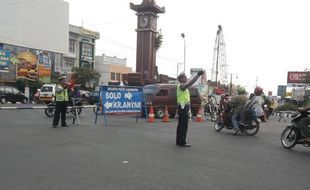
{"x":211,"y":110}
{"x":50,"y":110}
{"x":291,"y":135}
{"x":267,"y":110}
{"x":250,"y":126}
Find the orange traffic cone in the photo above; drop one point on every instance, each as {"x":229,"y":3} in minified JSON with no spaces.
{"x":166,"y":115}
{"x":151,"y":115}
{"x":199,"y":117}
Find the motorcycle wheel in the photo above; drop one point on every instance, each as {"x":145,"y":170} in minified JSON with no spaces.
{"x":49,"y":112}
{"x":214,"y":116}
{"x":289,"y":138}
{"x":218,"y":125}
{"x":252,"y":129}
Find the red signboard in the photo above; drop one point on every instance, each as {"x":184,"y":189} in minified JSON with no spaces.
{"x":296,"y":77}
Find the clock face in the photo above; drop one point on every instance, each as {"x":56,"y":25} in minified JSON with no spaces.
{"x":143,"y":21}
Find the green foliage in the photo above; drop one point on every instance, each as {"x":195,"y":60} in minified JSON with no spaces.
{"x":307,"y":78}
{"x":287,"y":107}
{"x":86,"y":76}
{"x":54,"y":77}
{"x":158,"y":41}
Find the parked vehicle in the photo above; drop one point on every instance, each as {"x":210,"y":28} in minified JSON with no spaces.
{"x":291,"y":134}
{"x":161,"y":96}
{"x":12,"y":94}
{"x":250,"y":126}
{"x":47,"y":93}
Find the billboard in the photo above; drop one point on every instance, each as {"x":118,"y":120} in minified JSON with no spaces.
{"x":281,"y":90}
{"x":25,"y":63}
{"x":4,"y":60}
{"x":296,"y":77}
{"x":44,"y":66}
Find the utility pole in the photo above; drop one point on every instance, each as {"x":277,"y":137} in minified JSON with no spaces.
{"x":230,"y":88}
{"x":183,"y":36}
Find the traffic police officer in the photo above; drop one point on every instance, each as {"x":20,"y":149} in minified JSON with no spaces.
{"x":183,"y":100}
{"x":62,"y":98}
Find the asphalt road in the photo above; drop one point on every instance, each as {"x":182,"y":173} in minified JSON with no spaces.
{"x":143,"y":156}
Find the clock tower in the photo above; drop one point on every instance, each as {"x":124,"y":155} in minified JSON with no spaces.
{"x":146,"y":70}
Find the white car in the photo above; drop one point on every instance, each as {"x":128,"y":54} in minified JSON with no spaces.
{"x":47,"y":93}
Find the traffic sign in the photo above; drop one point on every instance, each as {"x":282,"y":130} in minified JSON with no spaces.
{"x":121,"y":99}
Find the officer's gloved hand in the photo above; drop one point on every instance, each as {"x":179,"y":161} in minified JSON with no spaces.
{"x":201,"y":72}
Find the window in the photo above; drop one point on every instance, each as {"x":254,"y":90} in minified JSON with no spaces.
{"x":15,"y":91}
{"x":162,"y":92}
{"x":47,"y":89}
{"x":70,"y":63}
{"x":149,"y":89}
{"x":71,"y":46}
{"x":87,"y":49}
{"x":8,"y":90}
{"x":115,"y":76}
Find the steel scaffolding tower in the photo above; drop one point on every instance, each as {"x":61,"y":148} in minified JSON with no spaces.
{"x":219,"y":67}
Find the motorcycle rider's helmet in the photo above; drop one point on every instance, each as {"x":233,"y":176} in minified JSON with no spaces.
{"x":258,"y":91}
{"x":241,"y":90}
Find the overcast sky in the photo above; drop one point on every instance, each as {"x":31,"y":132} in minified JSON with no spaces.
{"x":264,"y":38}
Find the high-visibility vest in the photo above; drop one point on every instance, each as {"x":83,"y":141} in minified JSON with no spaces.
{"x":183,"y":96}
{"x":62,"y":96}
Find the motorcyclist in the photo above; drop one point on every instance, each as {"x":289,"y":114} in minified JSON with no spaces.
{"x":223,"y":101}
{"x":303,"y":123}
{"x":236,"y":104}
{"x":37,"y":96}
{"x":256,"y":103}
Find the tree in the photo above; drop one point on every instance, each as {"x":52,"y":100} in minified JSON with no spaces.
{"x":158,"y":41}
{"x":55,"y":76}
{"x":86,"y":76}
{"x":307,"y":78}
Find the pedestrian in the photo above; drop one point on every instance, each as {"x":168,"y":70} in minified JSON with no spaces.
{"x":183,"y":101}
{"x":62,"y":98}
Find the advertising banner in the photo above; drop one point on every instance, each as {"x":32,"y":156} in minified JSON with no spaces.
{"x":121,"y":99}
{"x":27,"y":66}
{"x":4,"y":60}
{"x":296,"y":77}
{"x":21,"y":62}
{"x":44,"y":66}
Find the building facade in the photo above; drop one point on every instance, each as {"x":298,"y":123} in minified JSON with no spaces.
{"x":32,"y":44}
{"x":81,"y":51}
{"x":111,"y":69}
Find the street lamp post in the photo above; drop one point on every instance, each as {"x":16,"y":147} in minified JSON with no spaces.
{"x":178,"y":64}
{"x":183,"y":36}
